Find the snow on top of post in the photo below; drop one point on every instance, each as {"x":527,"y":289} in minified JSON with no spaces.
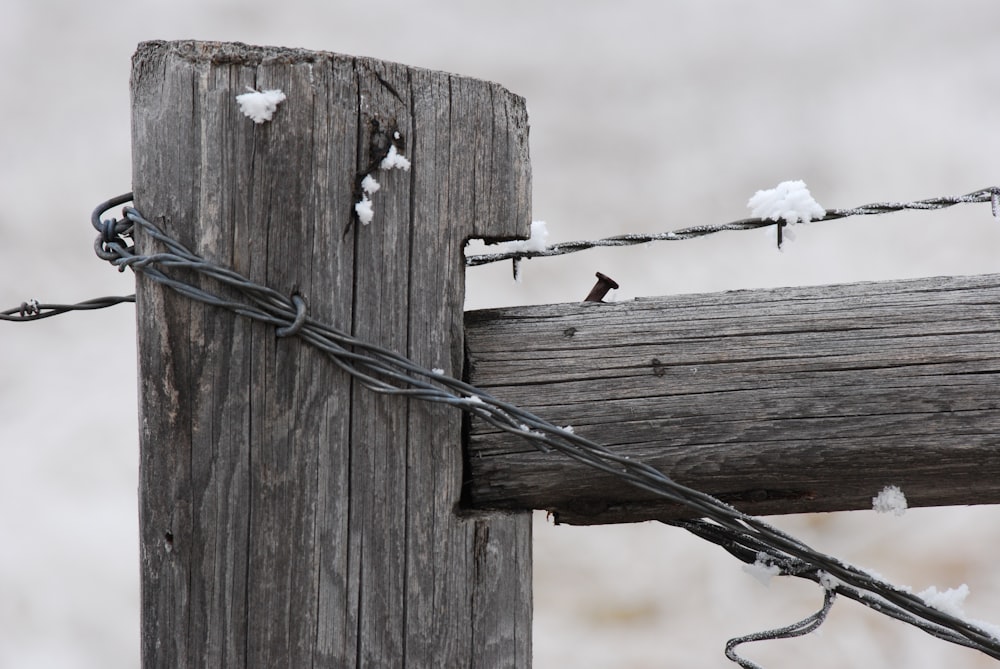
{"x":789,"y":201}
{"x":259,"y":106}
{"x":890,"y":500}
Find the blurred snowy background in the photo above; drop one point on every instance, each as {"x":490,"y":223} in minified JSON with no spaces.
{"x":645,"y":117}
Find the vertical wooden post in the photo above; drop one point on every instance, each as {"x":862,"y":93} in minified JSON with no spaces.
{"x":290,"y":517}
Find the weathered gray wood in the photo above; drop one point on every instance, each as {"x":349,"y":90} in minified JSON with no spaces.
{"x":289,"y":517}
{"x":779,"y":401}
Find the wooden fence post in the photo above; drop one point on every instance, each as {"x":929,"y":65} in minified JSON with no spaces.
{"x":290,"y":517}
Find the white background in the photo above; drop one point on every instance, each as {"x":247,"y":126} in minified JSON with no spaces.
{"x":644,"y":117}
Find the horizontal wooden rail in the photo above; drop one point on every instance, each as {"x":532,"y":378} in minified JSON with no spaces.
{"x":778,"y":401}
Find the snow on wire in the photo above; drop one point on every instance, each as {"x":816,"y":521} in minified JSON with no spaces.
{"x":991,"y":195}
{"x":383,"y":371}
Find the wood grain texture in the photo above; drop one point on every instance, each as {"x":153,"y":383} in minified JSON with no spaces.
{"x":778,"y":401}
{"x":289,"y":517}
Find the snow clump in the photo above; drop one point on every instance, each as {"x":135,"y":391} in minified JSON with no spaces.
{"x":369,"y":186}
{"x":789,"y":201}
{"x":394,"y":159}
{"x":890,"y":500}
{"x":259,"y":106}
{"x":364,"y":210}
{"x":538,"y":241}
{"x":950,"y":601}
{"x":762,"y":569}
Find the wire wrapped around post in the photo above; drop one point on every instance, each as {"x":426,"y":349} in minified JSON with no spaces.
{"x":383,"y":371}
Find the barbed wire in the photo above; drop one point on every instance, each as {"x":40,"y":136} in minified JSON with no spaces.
{"x":33,"y":310}
{"x":383,"y":371}
{"x":991,"y":195}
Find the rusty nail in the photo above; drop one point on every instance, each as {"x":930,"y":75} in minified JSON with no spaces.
{"x":601,"y":288}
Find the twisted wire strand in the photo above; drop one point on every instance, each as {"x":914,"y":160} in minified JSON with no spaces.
{"x":804,"y":626}
{"x":384,"y":371}
{"x":991,"y":195}
{"x":33,"y":310}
